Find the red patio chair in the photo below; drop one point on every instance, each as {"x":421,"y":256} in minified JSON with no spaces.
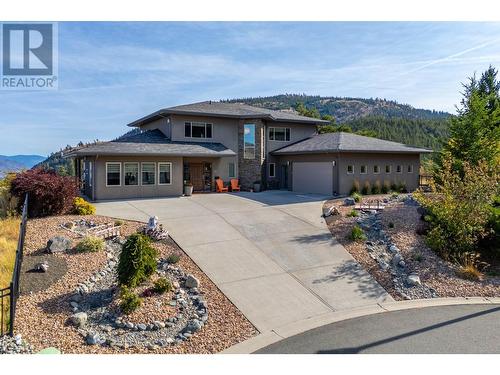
{"x":219,"y":185}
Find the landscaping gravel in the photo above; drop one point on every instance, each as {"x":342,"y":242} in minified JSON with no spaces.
{"x":392,"y":239}
{"x":43,"y":317}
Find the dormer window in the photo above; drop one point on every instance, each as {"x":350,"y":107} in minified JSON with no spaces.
{"x":197,"y":130}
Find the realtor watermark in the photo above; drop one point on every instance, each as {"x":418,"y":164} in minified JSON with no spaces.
{"x":29,"y":56}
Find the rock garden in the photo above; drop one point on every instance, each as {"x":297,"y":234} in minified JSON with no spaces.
{"x":96,"y":285}
{"x":384,"y":233}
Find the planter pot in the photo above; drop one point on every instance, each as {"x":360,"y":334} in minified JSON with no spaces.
{"x":188,"y":190}
{"x":256,"y":188}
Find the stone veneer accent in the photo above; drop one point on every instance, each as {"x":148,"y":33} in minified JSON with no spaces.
{"x":249,"y":170}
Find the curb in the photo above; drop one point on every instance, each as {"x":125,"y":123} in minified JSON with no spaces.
{"x":267,"y":338}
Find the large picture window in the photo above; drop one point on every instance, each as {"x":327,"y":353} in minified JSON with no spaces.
{"x":113,"y":174}
{"x":279,"y":134}
{"x":249,"y":141}
{"x":131,"y":172}
{"x":164,"y":173}
{"x":197,"y":130}
{"x":148,"y":173}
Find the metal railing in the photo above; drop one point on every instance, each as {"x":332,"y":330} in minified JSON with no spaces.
{"x":12,"y":291}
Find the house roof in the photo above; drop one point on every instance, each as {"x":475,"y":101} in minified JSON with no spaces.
{"x":346,"y":142}
{"x":231,"y":110}
{"x":152,"y":142}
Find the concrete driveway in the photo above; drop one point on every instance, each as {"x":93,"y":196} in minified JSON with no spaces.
{"x":270,"y":253}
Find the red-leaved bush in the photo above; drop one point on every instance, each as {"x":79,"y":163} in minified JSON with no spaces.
{"x":49,"y":193}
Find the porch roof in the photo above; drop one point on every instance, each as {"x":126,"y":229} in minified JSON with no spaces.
{"x":152,"y":142}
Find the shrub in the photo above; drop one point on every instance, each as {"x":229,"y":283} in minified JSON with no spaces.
{"x":402,"y":187}
{"x":357,"y":234}
{"x":82,"y":207}
{"x":119,"y":223}
{"x":49,"y":194}
{"x":418,"y":257}
{"x":90,"y":245}
{"x":173,"y":258}
{"x":129,"y":301}
{"x":385,"y":187}
{"x":8,"y":203}
{"x":366,"y":188}
{"x":376,"y":188}
{"x":459,"y":209}
{"x":357,"y":197}
{"x":353,"y":213}
{"x":162,"y":285}
{"x":137,"y":260}
{"x":355,"y":187}
{"x":394,"y":195}
{"x":391,"y":225}
{"x":394,"y":187}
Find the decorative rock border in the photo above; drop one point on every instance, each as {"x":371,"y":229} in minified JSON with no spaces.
{"x":100,"y":326}
{"x":14,"y":345}
{"x":388,"y":256}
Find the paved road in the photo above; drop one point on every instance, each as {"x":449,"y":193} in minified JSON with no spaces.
{"x":445,"y":329}
{"x":270,"y":253}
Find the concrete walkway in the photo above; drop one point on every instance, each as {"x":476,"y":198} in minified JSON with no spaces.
{"x":270,"y":253}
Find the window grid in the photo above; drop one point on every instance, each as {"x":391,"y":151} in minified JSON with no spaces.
{"x":115,"y":169}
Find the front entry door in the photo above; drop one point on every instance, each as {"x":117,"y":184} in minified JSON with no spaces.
{"x":196,"y":173}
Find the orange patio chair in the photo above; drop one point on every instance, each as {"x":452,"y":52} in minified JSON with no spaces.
{"x":235,"y":186}
{"x":219,"y":184}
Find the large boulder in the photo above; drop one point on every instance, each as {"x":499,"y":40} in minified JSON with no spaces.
{"x":58,"y":244}
{"x":79,"y":319}
{"x":349,"y":201}
{"x":413,"y":280}
{"x":191,"y":282}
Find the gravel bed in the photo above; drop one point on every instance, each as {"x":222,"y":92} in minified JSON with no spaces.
{"x":14,"y":345}
{"x":43,"y":317}
{"x":392,"y":239}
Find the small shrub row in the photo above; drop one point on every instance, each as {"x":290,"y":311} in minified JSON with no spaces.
{"x":377,"y":188}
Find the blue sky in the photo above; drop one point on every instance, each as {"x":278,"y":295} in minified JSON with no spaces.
{"x":113,"y":73}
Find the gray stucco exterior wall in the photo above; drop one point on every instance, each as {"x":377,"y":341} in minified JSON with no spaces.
{"x":103,"y":192}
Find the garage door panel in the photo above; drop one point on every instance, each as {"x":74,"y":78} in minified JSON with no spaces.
{"x":312,"y":177}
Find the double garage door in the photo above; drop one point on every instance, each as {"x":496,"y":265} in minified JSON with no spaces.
{"x":312,"y":177}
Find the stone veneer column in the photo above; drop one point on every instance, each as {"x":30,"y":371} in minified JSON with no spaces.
{"x":250,"y":170}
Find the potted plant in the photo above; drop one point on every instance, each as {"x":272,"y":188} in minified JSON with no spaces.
{"x":188,"y":188}
{"x":256,"y":186}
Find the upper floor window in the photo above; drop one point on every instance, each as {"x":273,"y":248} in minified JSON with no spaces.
{"x":279,"y":134}
{"x":410,"y":168}
{"x":387,"y":169}
{"x":399,"y":169}
{"x":376,"y":169}
{"x":350,"y":169}
{"x":197,"y":130}
{"x":249,"y":141}
{"x":113,"y":174}
{"x":363,"y":169}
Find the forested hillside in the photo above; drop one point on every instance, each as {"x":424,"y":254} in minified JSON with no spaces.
{"x":380,"y":118}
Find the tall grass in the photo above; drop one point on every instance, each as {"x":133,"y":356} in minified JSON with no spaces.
{"x":9,"y":232}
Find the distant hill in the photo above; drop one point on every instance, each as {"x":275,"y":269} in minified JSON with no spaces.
{"x":385,"y":119}
{"x":18,"y":162}
{"x":345,"y":109}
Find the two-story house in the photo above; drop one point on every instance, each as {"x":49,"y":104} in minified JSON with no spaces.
{"x":203,"y":141}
